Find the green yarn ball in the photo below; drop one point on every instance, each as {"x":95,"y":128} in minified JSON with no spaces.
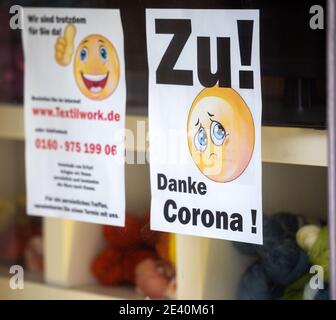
{"x":295,"y":290}
{"x":306,"y":236}
{"x":315,"y":241}
{"x":319,"y":252}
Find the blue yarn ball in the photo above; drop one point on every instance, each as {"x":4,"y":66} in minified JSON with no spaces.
{"x":289,"y":223}
{"x":285,"y":263}
{"x":278,"y":228}
{"x":255,"y":285}
{"x":248,"y":249}
{"x":272,"y":234}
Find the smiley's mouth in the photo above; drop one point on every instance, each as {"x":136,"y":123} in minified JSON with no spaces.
{"x":212,"y":155}
{"x":95,"y":82}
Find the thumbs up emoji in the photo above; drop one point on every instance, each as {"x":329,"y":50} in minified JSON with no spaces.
{"x":64,"y":46}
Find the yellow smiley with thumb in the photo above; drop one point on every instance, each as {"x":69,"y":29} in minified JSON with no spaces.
{"x":220,"y":134}
{"x":96,"y":64}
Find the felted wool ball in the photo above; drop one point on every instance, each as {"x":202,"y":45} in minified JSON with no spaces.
{"x":289,"y":223}
{"x":107,"y":268}
{"x":272,"y":234}
{"x":276,"y":228}
{"x":125,"y":237}
{"x":285,"y":263}
{"x":256,"y":285}
{"x":248,"y":249}
{"x":153,"y":280}
{"x":296,"y":289}
{"x":306,"y":236}
{"x":131,"y":259}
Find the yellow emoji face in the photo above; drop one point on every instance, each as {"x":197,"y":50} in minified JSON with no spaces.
{"x":96,"y":67}
{"x":220,"y":133}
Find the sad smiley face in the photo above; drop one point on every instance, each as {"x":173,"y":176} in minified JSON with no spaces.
{"x":96,"y":67}
{"x":220,"y":133}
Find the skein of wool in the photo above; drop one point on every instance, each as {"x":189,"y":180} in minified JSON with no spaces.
{"x":276,"y":228}
{"x":314,"y":241}
{"x":306,"y":236}
{"x":285,"y":263}
{"x":255,"y":285}
{"x":289,"y":223}
{"x":272,"y":234}
{"x":319,"y":252}
{"x":295,"y":290}
{"x":247,"y":249}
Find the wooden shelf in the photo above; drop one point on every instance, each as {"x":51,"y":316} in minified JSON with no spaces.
{"x":295,"y":146}
{"x":299,"y":146}
{"x":38,"y":290}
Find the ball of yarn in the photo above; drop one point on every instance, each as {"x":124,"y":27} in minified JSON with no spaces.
{"x":306,"y":236}
{"x":106,"y":267}
{"x":248,"y":249}
{"x":128,"y":237}
{"x":295,"y":290}
{"x":153,"y":279}
{"x":285,"y":263}
{"x":319,"y":252}
{"x":276,"y":228}
{"x":255,"y":285}
{"x":272,"y":234}
{"x":131,"y":259}
{"x":289,"y":223}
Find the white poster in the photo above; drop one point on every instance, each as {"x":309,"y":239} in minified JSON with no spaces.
{"x":205,"y":122}
{"x":74,"y":107}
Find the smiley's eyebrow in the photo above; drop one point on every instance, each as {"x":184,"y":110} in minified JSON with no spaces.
{"x":85,"y":41}
{"x":102,"y":41}
{"x":197,"y":123}
{"x":210,"y":115}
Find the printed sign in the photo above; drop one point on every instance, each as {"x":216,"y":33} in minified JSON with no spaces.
{"x":205,"y":122}
{"x":74,"y":105}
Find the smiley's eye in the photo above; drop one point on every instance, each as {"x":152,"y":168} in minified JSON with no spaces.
{"x":217,"y":133}
{"x":103,"y":53}
{"x":201,"y":139}
{"x":84,"y":54}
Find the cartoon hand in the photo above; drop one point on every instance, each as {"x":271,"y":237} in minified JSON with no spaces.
{"x":64,"y":46}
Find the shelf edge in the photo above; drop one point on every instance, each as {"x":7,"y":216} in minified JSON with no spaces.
{"x":301,"y":146}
